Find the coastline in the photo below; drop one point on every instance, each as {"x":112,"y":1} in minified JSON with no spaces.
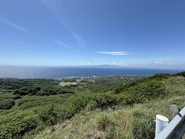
{"x":67,"y":72}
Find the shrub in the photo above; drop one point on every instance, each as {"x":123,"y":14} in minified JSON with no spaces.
{"x":74,"y":105}
{"x":60,"y":91}
{"x":151,"y":90}
{"x":27,"y":90}
{"x":25,"y":125}
{"x":22,"y":101}
{"x":126,"y":86}
{"x":105,"y":101}
{"x":175,"y":85}
{"x":43,"y":93}
{"x":16,"y":97}
{"x":91,"y":105}
{"x":49,"y":115}
{"x":160,"y":76}
{"x":22,"y":91}
{"x":5,"y":132}
{"x":180,"y":74}
{"x":6,"y":103}
{"x":16,"y":129}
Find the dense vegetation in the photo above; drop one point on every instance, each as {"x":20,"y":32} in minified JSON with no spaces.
{"x":29,"y":107}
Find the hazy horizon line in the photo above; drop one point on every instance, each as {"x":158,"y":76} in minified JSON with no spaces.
{"x":100,"y":66}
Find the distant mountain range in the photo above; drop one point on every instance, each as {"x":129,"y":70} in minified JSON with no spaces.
{"x":106,"y":66}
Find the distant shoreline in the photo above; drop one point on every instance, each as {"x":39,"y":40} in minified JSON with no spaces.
{"x":72,"y":77}
{"x":67,"y":72}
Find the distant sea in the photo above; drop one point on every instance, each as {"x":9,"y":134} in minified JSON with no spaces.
{"x":24,"y":72}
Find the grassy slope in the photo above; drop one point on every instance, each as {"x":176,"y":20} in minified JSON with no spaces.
{"x":34,"y":112}
{"x":125,"y":122}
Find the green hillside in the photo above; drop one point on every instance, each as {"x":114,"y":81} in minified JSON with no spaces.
{"x":92,"y":108}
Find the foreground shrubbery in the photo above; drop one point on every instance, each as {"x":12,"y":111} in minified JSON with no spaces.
{"x":46,"y":106}
{"x":140,"y":93}
{"x":48,"y":115}
{"x":56,"y":113}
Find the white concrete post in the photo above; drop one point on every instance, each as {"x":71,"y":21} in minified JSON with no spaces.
{"x":161,"y":123}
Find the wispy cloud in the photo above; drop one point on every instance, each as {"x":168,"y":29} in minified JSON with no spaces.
{"x":115,"y":53}
{"x":27,"y":45}
{"x":77,"y":37}
{"x":157,"y":65}
{"x":54,"y":6}
{"x":15,"y":26}
{"x":158,"y":62}
{"x":61,"y":43}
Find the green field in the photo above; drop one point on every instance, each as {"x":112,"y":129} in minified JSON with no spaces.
{"x":93,"y":108}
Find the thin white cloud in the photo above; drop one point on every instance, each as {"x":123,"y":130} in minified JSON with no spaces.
{"x":157,"y":65}
{"x":16,"y":26}
{"x":54,"y":6}
{"x":27,"y":45}
{"x":61,"y":43}
{"x":115,"y":53}
{"x":158,"y":62}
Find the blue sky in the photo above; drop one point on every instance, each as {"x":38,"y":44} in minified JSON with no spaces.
{"x":131,"y":33}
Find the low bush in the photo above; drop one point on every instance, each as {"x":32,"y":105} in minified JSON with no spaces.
{"x":49,"y":115}
{"x":5,"y":132}
{"x":74,"y":105}
{"x":26,"y":90}
{"x":180,"y":74}
{"x":16,"y":97}
{"x":150,"y":90}
{"x":17,"y":128}
{"x":91,"y":105}
{"x":160,"y":76}
{"x":6,"y":103}
{"x":22,"y":102}
{"x":140,"y":93}
{"x":106,"y":100}
{"x":44,"y":91}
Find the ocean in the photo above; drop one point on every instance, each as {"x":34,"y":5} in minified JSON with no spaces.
{"x":24,"y":72}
